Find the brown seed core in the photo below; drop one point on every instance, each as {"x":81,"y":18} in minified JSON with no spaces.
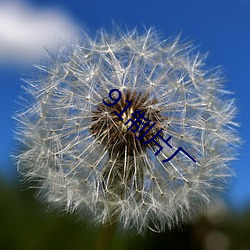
{"x":112,"y":132}
{"x":125,"y":167}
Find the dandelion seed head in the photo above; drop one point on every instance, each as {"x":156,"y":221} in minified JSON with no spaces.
{"x":85,"y":159}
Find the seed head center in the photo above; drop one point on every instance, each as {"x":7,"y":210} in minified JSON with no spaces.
{"x":126,"y":116}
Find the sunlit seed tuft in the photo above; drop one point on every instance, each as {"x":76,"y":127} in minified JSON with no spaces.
{"x":82,"y":155}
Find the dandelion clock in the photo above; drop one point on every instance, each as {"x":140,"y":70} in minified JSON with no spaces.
{"x":127,"y":128}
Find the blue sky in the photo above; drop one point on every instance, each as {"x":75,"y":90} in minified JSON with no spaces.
{"x":221,"y":27}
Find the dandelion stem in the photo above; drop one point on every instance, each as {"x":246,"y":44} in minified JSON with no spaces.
{"x":105,"y":236}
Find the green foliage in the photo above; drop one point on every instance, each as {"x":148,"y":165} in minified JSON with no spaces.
{"x":25,"y":226}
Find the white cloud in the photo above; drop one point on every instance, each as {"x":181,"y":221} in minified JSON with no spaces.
{"x":25,"y":31}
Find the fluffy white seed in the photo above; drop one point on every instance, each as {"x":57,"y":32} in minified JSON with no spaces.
{"x":85,"y":160}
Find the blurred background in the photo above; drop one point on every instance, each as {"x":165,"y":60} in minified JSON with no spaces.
{"x":29,"y":28}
